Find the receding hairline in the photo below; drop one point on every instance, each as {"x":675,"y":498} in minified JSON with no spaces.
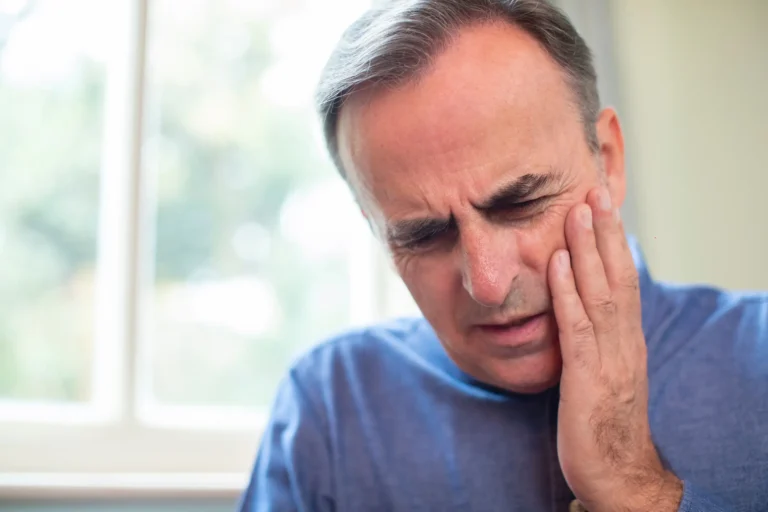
{"x":368,"y":92}
{"x":399,"y":42}
{"x":372,"y":87}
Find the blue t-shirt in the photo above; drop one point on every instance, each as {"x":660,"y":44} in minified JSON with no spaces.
{"x":382,"y":419}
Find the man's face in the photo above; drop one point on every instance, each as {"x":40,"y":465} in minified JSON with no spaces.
{"x":467,"y":174}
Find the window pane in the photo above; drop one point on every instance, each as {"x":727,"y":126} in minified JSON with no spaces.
{"x":52,"y":82}
{"x":253,"y":228}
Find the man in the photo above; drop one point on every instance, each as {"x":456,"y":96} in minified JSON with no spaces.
{"x":550,"y":371}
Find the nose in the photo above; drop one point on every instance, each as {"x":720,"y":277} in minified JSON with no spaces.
{"x":490,"y":263}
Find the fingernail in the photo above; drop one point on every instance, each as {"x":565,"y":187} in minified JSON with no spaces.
{"x":586,"y":217}
{"x":604,"y":199}
{"x":564,"y":262}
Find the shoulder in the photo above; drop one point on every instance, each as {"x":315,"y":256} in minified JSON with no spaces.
{"x":710,"y":324}
{"x":353,"y":345}
{"x":707,"y":308}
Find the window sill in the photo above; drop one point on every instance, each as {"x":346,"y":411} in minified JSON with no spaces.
{"x":120,"y":486}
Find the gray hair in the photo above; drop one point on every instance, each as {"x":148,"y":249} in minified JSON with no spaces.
{"x":397,"y":40}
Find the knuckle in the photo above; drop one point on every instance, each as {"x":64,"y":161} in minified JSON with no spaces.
{"x":586,"y":361}
{"x":581,"y":336}
{"x":583,"y":329}
{"x":605,"y":306}
{"x":630,"y":280}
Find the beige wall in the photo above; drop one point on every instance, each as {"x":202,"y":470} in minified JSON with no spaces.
{"x":692,"y":79}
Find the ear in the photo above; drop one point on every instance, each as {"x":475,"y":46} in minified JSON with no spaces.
{"x":611,"y":154}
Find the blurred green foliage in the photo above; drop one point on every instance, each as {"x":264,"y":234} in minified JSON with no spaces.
{"x":222,"y":155}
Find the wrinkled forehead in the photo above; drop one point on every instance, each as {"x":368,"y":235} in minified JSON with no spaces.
{"x":492,"y":103}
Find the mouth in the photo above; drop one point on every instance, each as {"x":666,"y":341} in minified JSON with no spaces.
{"x":517,"y":331}
{"x":507,"y":324}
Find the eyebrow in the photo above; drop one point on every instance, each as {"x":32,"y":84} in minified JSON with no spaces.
{"x":519,"y":190}
{"x":407,"y":231}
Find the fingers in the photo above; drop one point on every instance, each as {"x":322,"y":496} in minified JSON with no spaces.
{"x":577,"y":337}
{"x":590,"y":275}
{"x":597,"y":295}
{"x":612,"y":246}
{"x":612,"y":241}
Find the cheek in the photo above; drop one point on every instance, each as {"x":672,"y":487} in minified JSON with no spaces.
{"x":540,"y":241}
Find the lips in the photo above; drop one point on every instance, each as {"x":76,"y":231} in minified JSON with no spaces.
{"x":515,"y":333}
{"x":509,"y":323}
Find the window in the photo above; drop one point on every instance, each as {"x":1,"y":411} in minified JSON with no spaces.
{"x":52,"y":104}
{"x":173,"y":233}
{"x":253,"y":230}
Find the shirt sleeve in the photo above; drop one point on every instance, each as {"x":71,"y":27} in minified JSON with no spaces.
{"x":292,"y":469}
{"x":696,"y":501}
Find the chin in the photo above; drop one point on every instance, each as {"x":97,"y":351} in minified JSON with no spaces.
{"x":532,"y":374}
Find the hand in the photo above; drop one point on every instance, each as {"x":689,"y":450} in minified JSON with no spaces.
{"x":603,"y":438}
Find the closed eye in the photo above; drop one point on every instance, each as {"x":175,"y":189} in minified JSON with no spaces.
{"x":520,"y":210}
{"x":527,"y":204}
{"x":428,"y":240}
